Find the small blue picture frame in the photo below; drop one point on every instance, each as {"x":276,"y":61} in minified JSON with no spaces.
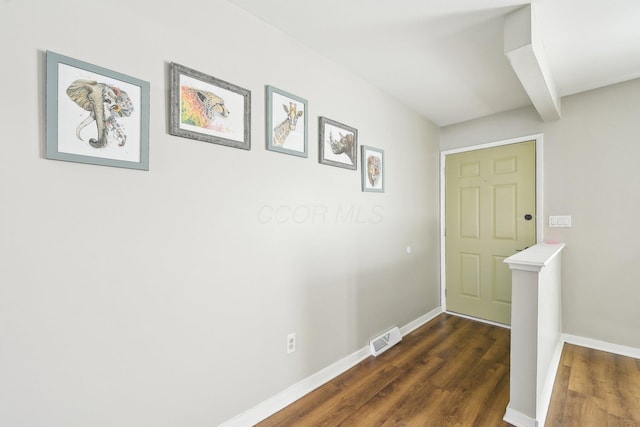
{"x":285,"y":115}
{"x":373,"y":169}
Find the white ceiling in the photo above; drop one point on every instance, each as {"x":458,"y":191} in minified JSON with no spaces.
{"x":444,"y":58}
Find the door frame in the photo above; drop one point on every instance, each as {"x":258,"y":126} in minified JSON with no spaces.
{"x":538,"y":138}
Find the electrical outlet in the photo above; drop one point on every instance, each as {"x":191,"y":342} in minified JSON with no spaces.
{"x":291,"y":343}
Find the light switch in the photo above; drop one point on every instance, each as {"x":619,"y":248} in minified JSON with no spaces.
{"x":560,"y":221}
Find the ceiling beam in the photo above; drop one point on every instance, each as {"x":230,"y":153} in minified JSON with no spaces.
{"x":523,"y":48}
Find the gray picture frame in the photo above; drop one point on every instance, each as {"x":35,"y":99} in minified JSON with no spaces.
{"x":373,"y":169}
{"x":208,"y":109}
{"x":95,"y":115}
{"x":283,"y":131}
{"x":337,"y":144}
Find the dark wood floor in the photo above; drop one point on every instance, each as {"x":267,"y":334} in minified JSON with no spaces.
{"x":595,"y":388}
{"x":455,"y":372}
{"x":449,"y":372}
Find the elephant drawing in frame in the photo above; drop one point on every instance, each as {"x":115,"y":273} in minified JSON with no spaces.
{"x":105,"y":103}
{"x":95,"y":115}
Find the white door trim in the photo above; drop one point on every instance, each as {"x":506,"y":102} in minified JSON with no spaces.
{"x":539,"y":197}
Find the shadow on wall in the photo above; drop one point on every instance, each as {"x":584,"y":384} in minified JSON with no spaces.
{"x":340,"y":313}
{"x":392,"y":295}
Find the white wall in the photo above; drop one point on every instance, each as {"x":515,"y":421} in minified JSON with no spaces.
{"x":164,"y":298}
{"x":591,"y":173}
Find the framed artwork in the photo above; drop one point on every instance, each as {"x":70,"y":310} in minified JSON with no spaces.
{"x":338,"y":144}
{"x":95,"y":115}
{"x":372,"y":169}
{"x":208,"y":109}
{"x":286,"y":122}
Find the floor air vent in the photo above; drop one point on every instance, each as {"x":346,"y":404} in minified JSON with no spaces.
{"x":385,"y":341}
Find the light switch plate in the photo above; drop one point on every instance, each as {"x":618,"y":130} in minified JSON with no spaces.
{"x":560,"y":221}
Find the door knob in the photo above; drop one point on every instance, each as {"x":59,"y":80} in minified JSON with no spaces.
{"x":528,"y":217}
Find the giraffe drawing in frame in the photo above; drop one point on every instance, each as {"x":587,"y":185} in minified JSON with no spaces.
{"x":282,"y":130}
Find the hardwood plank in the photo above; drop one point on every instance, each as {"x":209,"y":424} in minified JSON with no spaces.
{"x":386,"y":403}
{"x":581,"y":378}
{"x":427,"y":413}
{"x":496,"y":405}
{"x":614,"y":421}
{"x":349,"y":396}
{"x":556,"y":413}
{"x":302,"y":407}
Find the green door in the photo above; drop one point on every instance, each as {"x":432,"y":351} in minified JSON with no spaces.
{"x":490,"y":213}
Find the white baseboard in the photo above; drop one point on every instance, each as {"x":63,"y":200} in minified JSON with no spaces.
{"x":283,"y":399}
{"x":477,"y":319}
{"x":602,"y":346}
{"x":412,"y":326}
{"x":518,"y":419}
